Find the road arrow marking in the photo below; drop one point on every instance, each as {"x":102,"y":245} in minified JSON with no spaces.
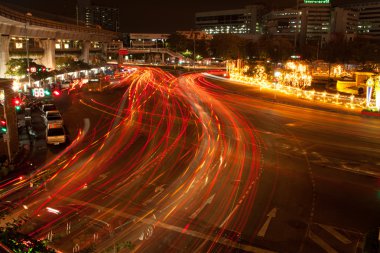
{"x":158,"y":191}
{"x":264,"y":228}
{"x":159,"y":188}
{"x":318,"y":240}
{"x":336,"y":234}
{"x":197,"y":212}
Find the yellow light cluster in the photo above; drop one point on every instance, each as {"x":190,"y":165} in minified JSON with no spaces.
{"x":292,"y":82}
{"x":296,"y":75}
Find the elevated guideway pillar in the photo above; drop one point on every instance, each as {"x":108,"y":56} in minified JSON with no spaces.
{"x":4,"y":54}
{"x":48,"y":60}
{"x":85,"y":56}
{"x":105,"y":48}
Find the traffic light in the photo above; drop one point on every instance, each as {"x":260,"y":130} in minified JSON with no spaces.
{"x":17,"y":103}
{"x":32,"y":69}
{"x":3,"y":126}
{"x":47,"y":93}
{"x":56,"y":93}
{"x":41,"y":69}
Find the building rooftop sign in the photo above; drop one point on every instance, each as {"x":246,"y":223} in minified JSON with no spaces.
{"x":316,"y":1}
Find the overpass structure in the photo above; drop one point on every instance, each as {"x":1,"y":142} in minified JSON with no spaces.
{"x":24,"y":35}
{"x":152,"y":52}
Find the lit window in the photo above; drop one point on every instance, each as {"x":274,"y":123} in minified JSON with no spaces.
{"x":57,"y":45}
{"x":66,"y":46}
{"x":18,"y":45}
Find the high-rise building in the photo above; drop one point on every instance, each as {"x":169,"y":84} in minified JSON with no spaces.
{"x":345,"y":22}
{"x":282,"y":23}
{"x":105,"y":17}
{"x":369,"y":17}
{"x":316,"y":18}
{"x":81,"y":10}
{"x":238,"y":21}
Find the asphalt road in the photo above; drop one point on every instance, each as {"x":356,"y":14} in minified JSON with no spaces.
{"x":196,"y":164}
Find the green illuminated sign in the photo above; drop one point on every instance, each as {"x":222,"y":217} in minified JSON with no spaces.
{"x":316,"y":1}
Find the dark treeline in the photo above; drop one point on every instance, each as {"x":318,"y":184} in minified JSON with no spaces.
{"x":229,"y":46}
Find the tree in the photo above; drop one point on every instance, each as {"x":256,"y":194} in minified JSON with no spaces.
{"x":202,"y":48}
{"x":19,"y":242}
{"x":229,"y":46}
{"x":69,"y":64}
{"x":179,"y":43}
{"x":19,"y":68}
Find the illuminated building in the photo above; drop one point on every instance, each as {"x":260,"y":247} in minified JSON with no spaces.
{"x":369,"y":17}
{"x":146,"y":40}
{"x":281,"y":23}
{"x":105,"y":17}
{"x":344,"y":21}
{"x":238,"y":21}
{"x":197,"y":35}
{"x":316,"y":18}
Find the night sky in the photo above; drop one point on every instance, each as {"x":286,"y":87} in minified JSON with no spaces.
{"x":150,"y":16}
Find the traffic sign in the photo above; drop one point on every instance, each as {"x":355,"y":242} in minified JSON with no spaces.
{"x":38,"y":92}
{"x":123,"y":51}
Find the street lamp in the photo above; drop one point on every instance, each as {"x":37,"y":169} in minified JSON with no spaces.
{"x":296,"y":28}
{"x":194,"y":50}
{"x":27,"y":44}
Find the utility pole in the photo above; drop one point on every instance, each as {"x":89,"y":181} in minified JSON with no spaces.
{"x":27,"y":45}
{"x":194,"y":57}
{"x":10,"y":158}
{"x":77,"y":13}
{"x":296,"y":28}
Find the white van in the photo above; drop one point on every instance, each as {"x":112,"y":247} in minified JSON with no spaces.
{"x":55,"y":134}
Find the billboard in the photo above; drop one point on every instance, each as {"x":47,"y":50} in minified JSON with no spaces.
{"x":316,"y":1}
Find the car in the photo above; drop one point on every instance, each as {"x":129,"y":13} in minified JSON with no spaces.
{"x":65,"y":84}
{"x":53,"y":117}
{"x":48,"y":107}
{"x":55,"y":134}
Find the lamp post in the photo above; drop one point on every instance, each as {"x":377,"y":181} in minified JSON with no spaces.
{"x":296,"y":28}
{"x":27,"y":45}
{"x":194,"y":55}
{"x":6,"y":135}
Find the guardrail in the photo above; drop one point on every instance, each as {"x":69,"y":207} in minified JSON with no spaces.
{"x":347,"y":101}
{"x":31,"y":20}
{"x":155,"y":50}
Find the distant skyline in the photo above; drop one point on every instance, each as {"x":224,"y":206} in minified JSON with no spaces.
{"x":150,"y":16}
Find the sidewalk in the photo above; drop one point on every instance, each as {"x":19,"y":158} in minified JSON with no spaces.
{"x":31,"y":133}
{"x":279,"y":97}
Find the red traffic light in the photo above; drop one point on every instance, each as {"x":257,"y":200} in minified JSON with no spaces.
{"x":56,"y":93}
{"x":17,"y":101}
{"x":3,"y":127}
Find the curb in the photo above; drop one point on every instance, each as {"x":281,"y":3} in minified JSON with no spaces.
{"x":282,"y":99}
{"x":371,"y":114}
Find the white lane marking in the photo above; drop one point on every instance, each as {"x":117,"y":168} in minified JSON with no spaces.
{"x":174,"y":228}
{"x":270,"y":216}
{"x":197,"y":212}
{"x":229,"y":216}
{"x":319,"y":158}
{"x":318,"y":240}
{"x":336,"y":234}
{"x":225,"y":242}
{"x":158,"y":191}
